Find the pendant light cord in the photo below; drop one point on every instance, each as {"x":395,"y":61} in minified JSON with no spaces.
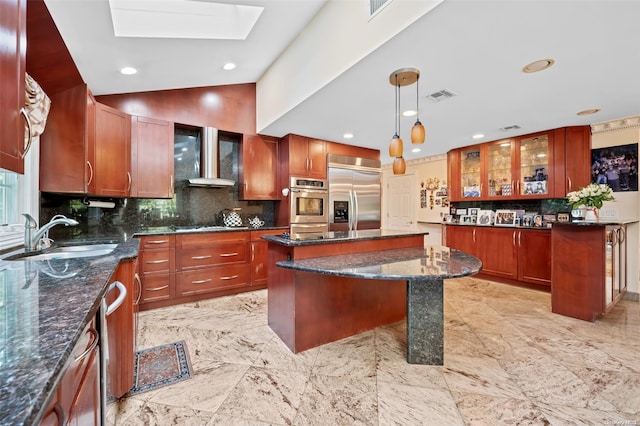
{"x":397,"y":107}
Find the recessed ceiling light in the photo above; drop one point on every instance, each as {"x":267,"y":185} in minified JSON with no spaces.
{"x":478,"y":136}
{"x":409,"y":113}
{"x":348,"y":136}
{"x":228,"y":66}
{"x":416,"y":150}
{"x":589,"y":111}
{"x":128,"y":71}
{"x":536,"y":66}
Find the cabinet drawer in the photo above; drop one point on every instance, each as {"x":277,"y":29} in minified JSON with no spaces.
{"x":214,"y":254}
{"x":157,"y":261}
{"x":205,"y":239}
{"x":157,"y":287}
{"x":221,"y":278}
{"x":157,"y":242}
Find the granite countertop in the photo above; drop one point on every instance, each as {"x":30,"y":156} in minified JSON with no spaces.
{"x":313,"y":238}
{"x":164,"y":230}
{"x":396,"y":264}
{"x":601,"y":222}
{"x":44,"y":309}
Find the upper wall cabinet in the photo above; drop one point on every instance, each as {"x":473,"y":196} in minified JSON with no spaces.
{"x":112,"y":174}
{"x":86,"y":147}
{"x":13,"y":15}
{"x":67,"y":145}
{"x":352,"y":151}
{"x":303,"y":157}
{"x":151,"y":158}
{"x":529,"y":166}
{"x":259,"y":168}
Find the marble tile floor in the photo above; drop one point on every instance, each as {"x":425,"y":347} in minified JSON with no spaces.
{"x":508,"y":361}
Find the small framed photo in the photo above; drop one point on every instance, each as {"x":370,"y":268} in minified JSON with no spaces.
{"x":527,"y":220}
{"x":473,"y":211}
{"x":537,"y":221}
{"x":466,"y":219}
{"x":505,"y":218}
{"x":461,"y":212}
{"x":485,"y":217}
{"x":563,"y":217}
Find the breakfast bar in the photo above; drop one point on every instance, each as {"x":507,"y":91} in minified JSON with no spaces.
{"x":341,"y":284}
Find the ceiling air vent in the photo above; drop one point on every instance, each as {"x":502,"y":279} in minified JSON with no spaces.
{"x":441,"y":95}
{"x":376,"y":5}
{"x":512,"y":127}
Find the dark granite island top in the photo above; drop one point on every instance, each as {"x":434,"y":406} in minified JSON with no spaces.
{"x":44,"y":308}
{"x":329,"y":288}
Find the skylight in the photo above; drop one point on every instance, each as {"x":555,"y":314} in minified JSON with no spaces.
{"x":182,"y":19}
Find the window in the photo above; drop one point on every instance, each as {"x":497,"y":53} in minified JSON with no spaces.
{"x":19,"y":194}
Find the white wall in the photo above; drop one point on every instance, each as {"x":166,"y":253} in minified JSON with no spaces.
{"x":627,"y":204}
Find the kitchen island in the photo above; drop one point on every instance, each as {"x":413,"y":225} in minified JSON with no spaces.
{"x":340,"y":284}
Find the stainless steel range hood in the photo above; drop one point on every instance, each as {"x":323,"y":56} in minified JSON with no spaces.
{"x":209,"y":169}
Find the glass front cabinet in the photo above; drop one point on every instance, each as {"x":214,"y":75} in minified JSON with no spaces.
{"x":516,"y":168}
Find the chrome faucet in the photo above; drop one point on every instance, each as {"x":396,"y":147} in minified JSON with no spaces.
{"x":31,"y":240}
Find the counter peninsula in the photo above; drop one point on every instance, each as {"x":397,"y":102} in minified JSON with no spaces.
{"x":336,"y":285}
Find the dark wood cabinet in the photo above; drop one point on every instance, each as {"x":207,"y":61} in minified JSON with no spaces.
{"x":121,"y":331}
{"x":352,"y":151}
{"x":76,"y":400}
{"x":67,"y":146}
{"x":86,"y":148}
{"x":535,"y":166}
{"x":151,"y":158}
{"x":589,"y":288}
{"x":513,"y":254}
{"x":259,"y":168}
{"x":13,"y":16}
{"x":303,"y":157}
{"x":112,"y":153}
{"x":156,"y":262}
{"x":260,"y":258}
{"x":534,"y":256}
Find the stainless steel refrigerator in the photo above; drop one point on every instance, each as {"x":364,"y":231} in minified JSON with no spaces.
{"x":354,"y":193}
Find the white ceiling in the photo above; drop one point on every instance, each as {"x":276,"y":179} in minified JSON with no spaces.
{"x":476,"y":49}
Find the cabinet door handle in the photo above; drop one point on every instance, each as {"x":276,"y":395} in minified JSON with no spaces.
{"x":90,"y":173}
{"x":513,"y":238}
{"x":228,"y":254}
{"x":569,"y":182}
{"x":519,"y":238}
{"x":253,"y":252}
{"x":171,"y":185}
{"x":139,"y":281}
{"x":201,"y":281}
{"x":129,"y":178}
{"x":155,"y":262}
{"x":28,"y":144}
{"x":201,"y":257}
{"x":474,"y":235}
{"x":231,"y":277}
{"x":158,"y":288}
{"x":91,"y":347}
{"x":157,"y":241}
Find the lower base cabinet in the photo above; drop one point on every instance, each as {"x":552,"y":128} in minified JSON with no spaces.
{"x":76,"y":401}
{"x":515,"y":254}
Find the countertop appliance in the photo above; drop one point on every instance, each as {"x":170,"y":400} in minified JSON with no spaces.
{"x":309,"y":205}
{"x":354,"y":193}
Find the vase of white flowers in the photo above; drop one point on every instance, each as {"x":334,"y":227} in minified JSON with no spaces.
{"x":591,"y":198}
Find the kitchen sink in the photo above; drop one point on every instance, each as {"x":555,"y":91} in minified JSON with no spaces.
{"x":67,"y":252}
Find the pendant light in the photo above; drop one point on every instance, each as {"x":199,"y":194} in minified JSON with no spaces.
{"x":417,"y":131}
{"x":398,"y":78}
{"x":395,"y":146}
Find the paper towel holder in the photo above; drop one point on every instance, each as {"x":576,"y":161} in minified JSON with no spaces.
{"x":98,"y":203}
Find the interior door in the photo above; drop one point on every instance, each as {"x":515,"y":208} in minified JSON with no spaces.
{"x":400,"y":202}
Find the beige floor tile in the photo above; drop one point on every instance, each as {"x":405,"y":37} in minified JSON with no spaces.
{"x":508,"y":360}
